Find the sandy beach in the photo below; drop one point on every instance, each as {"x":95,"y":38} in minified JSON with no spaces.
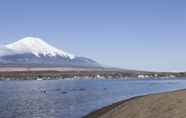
{"x":163,"y":105}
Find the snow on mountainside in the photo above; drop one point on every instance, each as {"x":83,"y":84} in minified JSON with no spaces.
{"x":32,"y":51}
{"x":5,"y":51}
{"x":37,"y":47}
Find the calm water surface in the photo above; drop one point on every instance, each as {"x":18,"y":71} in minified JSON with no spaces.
{"x":72,"y":98}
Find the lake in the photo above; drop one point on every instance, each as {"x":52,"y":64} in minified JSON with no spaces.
{"x":72,"y":98}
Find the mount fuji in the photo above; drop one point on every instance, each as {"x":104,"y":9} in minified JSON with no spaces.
{"x":33,"y":52}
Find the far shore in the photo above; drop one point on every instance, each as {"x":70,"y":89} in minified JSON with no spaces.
{"x":162,"y":105}
{"x":31,"y":73}
{"x":24,"y":73}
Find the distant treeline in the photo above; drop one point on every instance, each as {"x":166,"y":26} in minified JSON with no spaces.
{"x":29,"y":75}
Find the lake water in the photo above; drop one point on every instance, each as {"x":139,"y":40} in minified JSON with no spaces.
{"x":72,"y":98}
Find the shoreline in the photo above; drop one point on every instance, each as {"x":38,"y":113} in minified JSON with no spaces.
{"x":32,"y":73}
{"x":23,"y":73}
{"x":158,"y":105}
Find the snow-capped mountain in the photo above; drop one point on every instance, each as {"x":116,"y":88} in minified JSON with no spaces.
{"x":31,"y":51}
{"x":37,"y":47}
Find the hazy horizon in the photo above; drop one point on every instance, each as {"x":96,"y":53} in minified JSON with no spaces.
{"x":144,"y":35}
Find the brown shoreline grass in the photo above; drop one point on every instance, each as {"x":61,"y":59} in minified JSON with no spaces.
{"x":162,"y":105}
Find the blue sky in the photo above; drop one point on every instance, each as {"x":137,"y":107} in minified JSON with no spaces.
{"x":134,"y":34}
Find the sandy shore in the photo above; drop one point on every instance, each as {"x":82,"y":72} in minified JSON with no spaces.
{"x":163,"y":105}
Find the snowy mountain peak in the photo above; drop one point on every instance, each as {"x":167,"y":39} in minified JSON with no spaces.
{"x":37,"y":47}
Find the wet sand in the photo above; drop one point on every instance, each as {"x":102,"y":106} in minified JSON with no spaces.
{"x":163,"y":105}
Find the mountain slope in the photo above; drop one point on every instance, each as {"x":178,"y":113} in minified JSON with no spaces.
{"x":37,"y":47}
{"x":32,"y":51}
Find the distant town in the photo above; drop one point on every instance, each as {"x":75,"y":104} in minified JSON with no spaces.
{"x":82,"y":73}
